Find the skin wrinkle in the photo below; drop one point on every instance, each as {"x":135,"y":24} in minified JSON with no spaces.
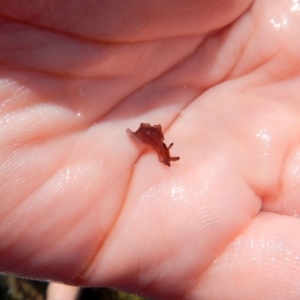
{"x":67,"y":34}
{"x":58,"y":238}
{"x":34,"y":252}
{"x":153,"y":80}
{"x":232,"y":9}
{"x":274,"y":195}
{"x":168,"y":110}
{"x":93,"y":45}
{"x":81,"y":275}
{"x":30,"y":192}
{"x":188,"y":55}
{"x":221,"y":252}
{"x":79,"y":279}
{"x":83,"y":38}
{"x":230,"y":242}
{"x":13,"y":207}
{"x":107,"y":114}
{"x":63,"y":132}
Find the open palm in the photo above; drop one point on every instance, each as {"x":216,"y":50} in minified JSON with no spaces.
{"x":82,"y":204}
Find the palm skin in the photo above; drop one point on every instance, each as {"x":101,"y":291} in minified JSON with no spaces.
{"x":81,"y":204}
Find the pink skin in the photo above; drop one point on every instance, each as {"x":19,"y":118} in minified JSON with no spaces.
{"x":59,"y":291}
{"x":81,"y":205}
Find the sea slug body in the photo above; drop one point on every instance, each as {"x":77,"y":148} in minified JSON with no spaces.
{"x":153,"y":137}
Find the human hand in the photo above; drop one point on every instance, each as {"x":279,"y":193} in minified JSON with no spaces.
{"x":83,"y":205}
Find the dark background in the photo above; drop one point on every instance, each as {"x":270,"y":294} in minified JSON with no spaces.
{"x":12,"y":288}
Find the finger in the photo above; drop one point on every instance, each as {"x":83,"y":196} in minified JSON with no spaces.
{"x":58,"y":291}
